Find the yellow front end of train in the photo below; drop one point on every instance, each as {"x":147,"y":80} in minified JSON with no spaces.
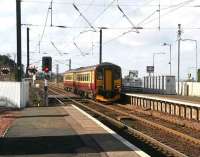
{"x":108,"y":82}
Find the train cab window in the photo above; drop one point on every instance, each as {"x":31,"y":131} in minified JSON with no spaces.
{"x":117,"y":74}
{"x":100,"y":75}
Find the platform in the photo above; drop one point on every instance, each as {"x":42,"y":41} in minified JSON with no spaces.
{"x":194,"y":101}
{"x":62,"y":131}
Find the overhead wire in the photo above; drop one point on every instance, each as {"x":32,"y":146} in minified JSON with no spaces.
{"x":52,"y":43}
{"x":180,"y":5}
{"x":45,"y":23}
{"x":127,"y":18}
{"x":88,"y":22}
{"x":82,"y":53}
{"x":100,"y":5}
{"x":104,"y":10}
{"x":146,"y":18}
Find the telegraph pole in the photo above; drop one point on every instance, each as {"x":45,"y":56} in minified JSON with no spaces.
{"x":27,"y":52}
{"x":57,"y":69}
{"x":170,"y":58}
{"x":51,"y":13}
{"x":70,"y":63}
{"x":100,"y":47}
{"x":19,"y":49}
{"x":159,"y":15}
{"x":179,"y":43}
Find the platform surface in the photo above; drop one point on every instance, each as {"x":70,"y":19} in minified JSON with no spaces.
{"x":60,"y":132}
{"x":184,"y":99}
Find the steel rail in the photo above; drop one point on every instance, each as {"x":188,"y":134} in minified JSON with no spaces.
{"x":136,"y":133}
{"x":158,"y":126}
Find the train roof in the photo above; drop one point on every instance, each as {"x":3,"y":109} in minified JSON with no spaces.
{"x":93,"y":67}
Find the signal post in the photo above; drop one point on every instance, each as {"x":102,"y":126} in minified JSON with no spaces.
{"x":46,"y":92}
{"x":46,"y":67}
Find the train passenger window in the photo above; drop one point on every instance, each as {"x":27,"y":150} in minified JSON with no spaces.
{"x":100,"y":75}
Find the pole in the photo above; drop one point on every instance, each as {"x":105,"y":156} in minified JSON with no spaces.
{"x":46,"y":92}
{"x":179,"y":43}
{"x":170,"y":57}
{"x":70,"y":62}
{"x":196,"y":62}
{"x":57,"y":66}
{"x":27,"y":52}
{"x":19,"y":49}
{"x":39,"y":46}
{"x":159,"y":16}
{"x":100,"y":48}
{"x":153,"y":64}
{"x":51,"y":14}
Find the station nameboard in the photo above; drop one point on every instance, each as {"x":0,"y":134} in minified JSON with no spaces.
{"x":150,"y":69}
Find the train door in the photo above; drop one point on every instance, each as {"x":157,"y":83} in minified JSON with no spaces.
{"x":108,"y":80}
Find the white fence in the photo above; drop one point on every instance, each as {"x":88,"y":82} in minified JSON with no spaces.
{"x":14,"y":94}
{"x":189,"y":88}
{"x":160,"y":84}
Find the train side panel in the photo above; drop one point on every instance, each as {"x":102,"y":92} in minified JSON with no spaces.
{"x":69,"y":81}
{"x":101,"y":82}
{"x":85,"y":84}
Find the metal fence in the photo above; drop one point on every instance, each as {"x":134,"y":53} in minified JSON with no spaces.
{"x":186,"y":110}
{"x":7,"y":73}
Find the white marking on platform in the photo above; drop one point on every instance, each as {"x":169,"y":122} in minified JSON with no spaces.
{"x":114,"y":134}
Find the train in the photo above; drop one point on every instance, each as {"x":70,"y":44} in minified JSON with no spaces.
{"x":100,"y":82}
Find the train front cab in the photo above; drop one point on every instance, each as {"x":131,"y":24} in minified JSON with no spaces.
{"x":108,"y":82}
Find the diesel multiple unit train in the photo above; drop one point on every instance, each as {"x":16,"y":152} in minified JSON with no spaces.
{"x":101,"y":82}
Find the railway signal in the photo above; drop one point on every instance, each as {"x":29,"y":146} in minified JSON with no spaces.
{"x":46,"y":64}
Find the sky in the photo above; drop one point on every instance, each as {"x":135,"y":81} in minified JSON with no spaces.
{"x":122,"y":44}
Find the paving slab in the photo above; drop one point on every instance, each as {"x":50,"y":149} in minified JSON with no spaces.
{"x":59,"y":132}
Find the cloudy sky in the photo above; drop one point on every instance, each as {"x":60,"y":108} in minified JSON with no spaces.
{"x":122,"y":45}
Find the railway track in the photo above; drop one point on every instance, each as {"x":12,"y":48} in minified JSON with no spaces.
{"x":169,"y":139}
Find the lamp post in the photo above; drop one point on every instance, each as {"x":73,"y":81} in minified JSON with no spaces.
{"x":170,"y":56}
{"x":195,"y":55}
{"x":154,"y":54}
